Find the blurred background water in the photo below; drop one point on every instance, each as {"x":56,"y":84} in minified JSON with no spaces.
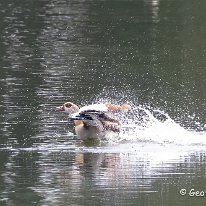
{"x":148,"y":53}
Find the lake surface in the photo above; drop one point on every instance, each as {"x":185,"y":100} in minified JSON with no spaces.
{"x":147,"y":53}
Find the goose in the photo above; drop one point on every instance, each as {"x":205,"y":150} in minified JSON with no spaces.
{"x":93,"y":121}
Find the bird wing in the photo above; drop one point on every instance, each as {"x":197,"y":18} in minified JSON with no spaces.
{"x":94,"y":107}
{"x":95,"y":118}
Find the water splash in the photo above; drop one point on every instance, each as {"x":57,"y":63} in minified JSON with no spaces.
{"x":146,"y":124}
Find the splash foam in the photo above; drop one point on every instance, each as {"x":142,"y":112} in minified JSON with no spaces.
{"x":145,"y":124}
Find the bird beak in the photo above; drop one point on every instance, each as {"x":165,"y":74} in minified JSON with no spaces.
{"x":60,"y":109}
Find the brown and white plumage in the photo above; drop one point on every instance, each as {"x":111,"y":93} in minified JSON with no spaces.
{"x":93,"y":121}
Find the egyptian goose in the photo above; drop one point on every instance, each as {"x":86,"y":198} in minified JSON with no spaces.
{"x":93,"y":121}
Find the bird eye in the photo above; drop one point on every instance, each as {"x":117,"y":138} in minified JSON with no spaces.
{"x":68,"y":105}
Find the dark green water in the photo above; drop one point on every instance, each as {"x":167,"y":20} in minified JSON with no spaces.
{"x":148,"y":53}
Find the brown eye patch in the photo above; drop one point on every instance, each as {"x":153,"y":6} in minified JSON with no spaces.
{"x":68,"y":104}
